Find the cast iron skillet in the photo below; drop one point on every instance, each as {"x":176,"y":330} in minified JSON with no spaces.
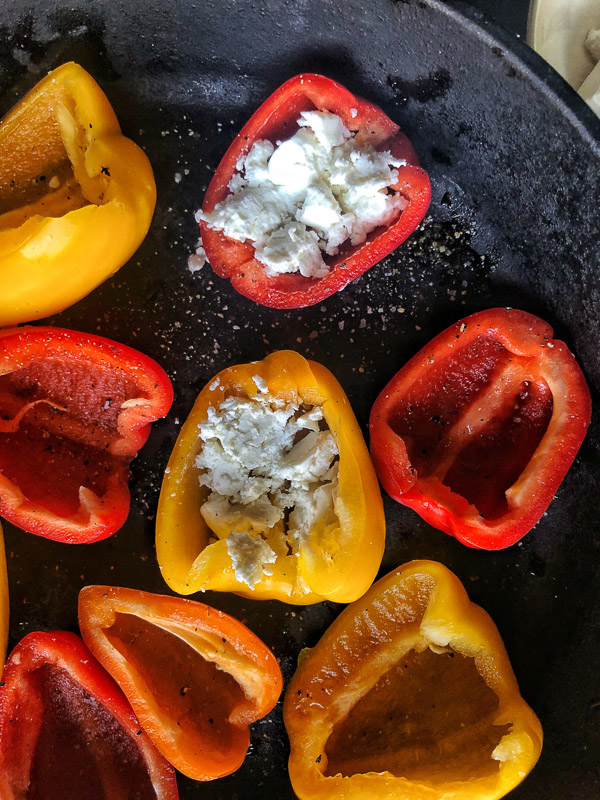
{"x":514,"y":159}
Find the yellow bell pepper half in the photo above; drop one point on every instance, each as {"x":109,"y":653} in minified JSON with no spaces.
{"x":337,"y":561}
{"x":3,"y":602}
{"x":409,"y":695}
{"x":76,"y":196}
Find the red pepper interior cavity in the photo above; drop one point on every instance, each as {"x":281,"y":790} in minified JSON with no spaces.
{"x":65,"y":418}
{"x":473,"y":406}
{"x":82,"y":752}
{"x":190,"y":691}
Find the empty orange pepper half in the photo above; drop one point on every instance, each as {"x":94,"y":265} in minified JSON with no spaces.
{"x":409,"y":695}
{"x":336,"y":559}
{"x":195,"y":677}
{"x":76,"y":196}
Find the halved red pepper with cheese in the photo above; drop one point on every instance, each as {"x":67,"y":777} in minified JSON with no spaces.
{"x":67,"y":732}
{"x":478,"y":430}
{"x":74,"y":410}
{"x":195,"y":677}
{"x":276,"y":119}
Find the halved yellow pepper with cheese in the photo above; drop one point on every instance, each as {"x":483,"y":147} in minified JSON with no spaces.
{"x":337,"y":558}
{"x":76,"y":196}
{"x":409,"y":695}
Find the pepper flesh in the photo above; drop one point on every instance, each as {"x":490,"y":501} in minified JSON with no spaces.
{"x":4,"y":604}
{"x":409,"y":695}
{"x":337,"y":563}
{"x":74,"y":411}
{"x":478,"y":430}
{"x":276,"y":119}
{"x":67,"y":731}
{"x":76,"y":196}
{"x":195,"y":677}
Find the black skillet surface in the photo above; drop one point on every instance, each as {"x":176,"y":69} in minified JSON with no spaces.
{"x":514,"y":160}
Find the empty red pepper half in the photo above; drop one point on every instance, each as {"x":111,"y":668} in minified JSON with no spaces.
{"x":74,"y":411}
{"x":478,"y":430}
{"x":275,"y":120}
{"x":195,"y":677}
{"x":68,"y":733}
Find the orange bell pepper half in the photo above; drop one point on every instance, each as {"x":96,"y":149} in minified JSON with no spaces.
{"x":195,"y":677}
{"x":409,"y":695}
{"x":338,"y":559}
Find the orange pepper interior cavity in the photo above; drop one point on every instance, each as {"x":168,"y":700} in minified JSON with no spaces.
{"x":186,"y":687}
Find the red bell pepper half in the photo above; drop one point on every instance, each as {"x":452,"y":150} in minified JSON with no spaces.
{"x":276,"y":120}
{"x":195,"y":677}
{"x":68,"y":733}
{"x":74,"y":411}
{"x":478,"y":430}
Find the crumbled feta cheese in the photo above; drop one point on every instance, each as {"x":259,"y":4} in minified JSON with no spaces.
{"x":198,"y":259}
{"x":195,"y":262}
{"x":268,"y":466}
{"x":308,"y":195}
{"x":260,"y":384}
{"x":249,"y":555}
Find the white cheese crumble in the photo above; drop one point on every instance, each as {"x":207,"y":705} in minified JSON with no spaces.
{"x":308,"y":195}
{"x":272,"y":475}
{"x":198,"y":258}
{"x":249,"y":555}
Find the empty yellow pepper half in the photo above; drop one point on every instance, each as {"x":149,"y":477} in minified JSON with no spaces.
{"x":339,"y":558}
{"x":76,"y":196}
{"x":409,"y":695}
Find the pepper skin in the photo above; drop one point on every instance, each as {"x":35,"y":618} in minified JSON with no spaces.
{"x":409,"y":695}
{"x":4,"y":605}
{"x":478,"y":430}
{"x":76,"y":196}
{"x":67,"y":731}
{"x":338,"y":563}
{"x":74,"y":410}
{"x":195,"y":677}
{"x":276,"y":119}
